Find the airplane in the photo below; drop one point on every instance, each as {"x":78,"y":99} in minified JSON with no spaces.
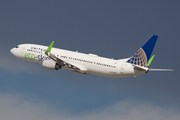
{"x":54,"y":59}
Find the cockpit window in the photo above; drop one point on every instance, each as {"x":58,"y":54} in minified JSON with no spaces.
{"x":17,"y":46}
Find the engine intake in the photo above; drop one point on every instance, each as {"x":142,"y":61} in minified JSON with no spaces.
{"x":50,"y":64}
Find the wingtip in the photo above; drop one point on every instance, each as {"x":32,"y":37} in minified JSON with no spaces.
{"x":50,"y":47}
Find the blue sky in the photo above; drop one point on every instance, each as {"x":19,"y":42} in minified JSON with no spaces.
{"x":113,"y":29}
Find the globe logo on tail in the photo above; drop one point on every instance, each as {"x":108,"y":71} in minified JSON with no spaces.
{"x":139,"y":58}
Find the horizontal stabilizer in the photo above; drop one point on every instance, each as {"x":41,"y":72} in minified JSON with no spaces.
{"x":161,"y":70}
{"x":141,"y":67}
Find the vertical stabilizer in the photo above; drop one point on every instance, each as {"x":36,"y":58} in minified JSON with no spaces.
{"x":142,"y":56}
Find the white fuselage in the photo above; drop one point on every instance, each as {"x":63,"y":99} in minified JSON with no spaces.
{"x":89,"y":62}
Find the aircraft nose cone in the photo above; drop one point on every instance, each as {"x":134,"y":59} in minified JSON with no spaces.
{"x":12,"y":51}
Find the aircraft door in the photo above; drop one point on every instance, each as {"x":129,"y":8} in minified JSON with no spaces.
{"x":122,"y":69}
{"x":23,"y":50}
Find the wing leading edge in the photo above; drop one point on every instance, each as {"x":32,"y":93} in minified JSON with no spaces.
{"x":62,"y":63}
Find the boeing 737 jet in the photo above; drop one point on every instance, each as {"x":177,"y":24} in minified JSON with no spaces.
{"x":54,"y":58}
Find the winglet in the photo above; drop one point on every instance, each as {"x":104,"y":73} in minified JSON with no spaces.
{"x":150,"y":60}
{"x":50,"y":47}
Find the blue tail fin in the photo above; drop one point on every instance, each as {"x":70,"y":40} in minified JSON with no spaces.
{"x":142,"y":56}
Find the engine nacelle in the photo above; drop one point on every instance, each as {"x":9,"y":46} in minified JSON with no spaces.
{"x":50,"y":64}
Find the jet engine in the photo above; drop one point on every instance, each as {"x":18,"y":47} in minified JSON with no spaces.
{"x":50,"y":64}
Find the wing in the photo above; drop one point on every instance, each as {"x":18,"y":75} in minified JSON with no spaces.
{"x":71,"y":66}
